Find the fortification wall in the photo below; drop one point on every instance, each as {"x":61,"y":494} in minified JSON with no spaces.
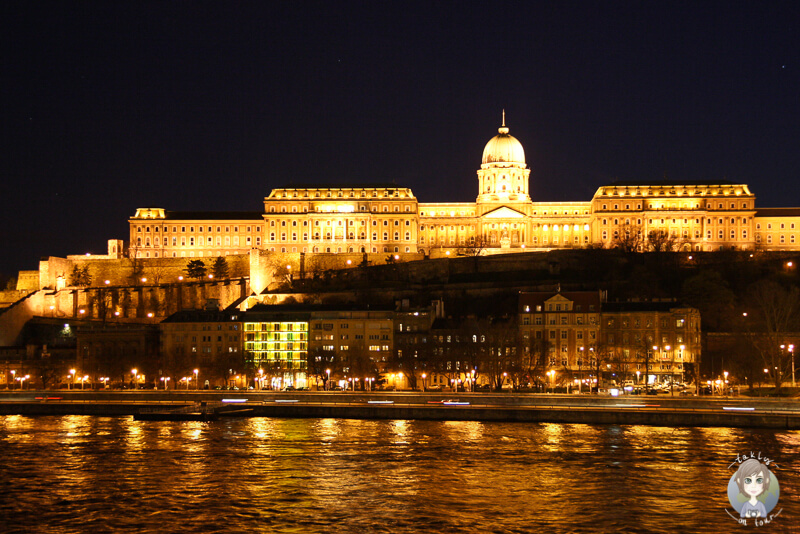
{"x":28,"y":281}
{"x":125,"y":271}
{"x":138,"y":303}
{"x":13,"y":318}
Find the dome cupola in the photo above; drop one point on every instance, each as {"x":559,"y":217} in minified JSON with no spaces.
{"x":503,"y":148}
{"x":503,"y":176}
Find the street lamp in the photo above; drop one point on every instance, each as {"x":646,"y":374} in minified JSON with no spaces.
{"x":83,"y":380}
{"x":71,"y":378}
{"x":399,"y":377}
{"x":668,"y":348}
{"x":423,"y":381}
{"x":165,"y":379}
{"x":196,"y":382}
{"x":791,"y":351}
{"x":13,"y":375}
{"x":328,"y":382}
{"x":135,"y":377}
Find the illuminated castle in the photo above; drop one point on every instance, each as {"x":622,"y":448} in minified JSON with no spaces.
{"x":384,"y":218}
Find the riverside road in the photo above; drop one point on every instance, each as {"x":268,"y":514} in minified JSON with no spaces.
{"x":659,"y":410}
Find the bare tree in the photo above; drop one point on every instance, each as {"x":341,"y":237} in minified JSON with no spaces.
{"x":776,"y":313}
{"x":502,"y":347}
{"x":136,"y":266}
{"x":156,"y":269}
{"x":630,"y":238}
{"x":662,"y":241}
{"x":473,"y":247}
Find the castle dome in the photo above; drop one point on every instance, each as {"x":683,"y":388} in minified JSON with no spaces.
{"x":503,"y":148}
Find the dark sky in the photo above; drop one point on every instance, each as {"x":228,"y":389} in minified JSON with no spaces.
{"x":115,"y":105}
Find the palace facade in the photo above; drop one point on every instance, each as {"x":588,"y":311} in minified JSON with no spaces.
{"x":386,"y":218}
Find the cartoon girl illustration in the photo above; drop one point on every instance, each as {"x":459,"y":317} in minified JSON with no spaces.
{"x":753,"y":479}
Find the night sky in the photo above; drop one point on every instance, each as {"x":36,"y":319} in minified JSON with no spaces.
{"x":115,"y":105}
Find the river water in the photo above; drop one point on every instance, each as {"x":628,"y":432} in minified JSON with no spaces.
{"x":113,"y":474}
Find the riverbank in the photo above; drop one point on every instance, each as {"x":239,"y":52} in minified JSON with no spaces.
{"x":532,"y":408}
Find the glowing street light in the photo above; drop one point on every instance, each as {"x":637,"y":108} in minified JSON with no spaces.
{"x":552,"y":374}
{"x":71,"y":378}
{"x":328,"y":381}
{"x":83,"y":380}
{"x":22,"y":380}
{"x":196,"y":383}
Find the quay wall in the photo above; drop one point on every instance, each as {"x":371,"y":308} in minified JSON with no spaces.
{"x":537,"y":409}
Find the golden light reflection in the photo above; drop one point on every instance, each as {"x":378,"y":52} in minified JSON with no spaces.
{"x":401,"y":431}
{"x":789,"y":438}
{"x":262,"y":427}
{"x":329,"y":429}
{"x":74,"y":425}
{"x":135,"y":437}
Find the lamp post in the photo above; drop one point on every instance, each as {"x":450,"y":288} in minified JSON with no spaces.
{"x":668,"y":348}
{"x":647,"y":377}
{"x":683,"y":366}
{"x":134,"y":377}
{"x":196,"y":377}
{"x":725,"y":384}
{"x":328,"y":382}
{"x":83,"y":380}
{"x":71,"y":378}
{"x":13,"y":376}
{"x":423,"y":382}
{"x":399,"y":378}
{"x":791,"y":351}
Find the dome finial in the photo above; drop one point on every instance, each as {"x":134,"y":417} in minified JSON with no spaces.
{"x":503,"y":129}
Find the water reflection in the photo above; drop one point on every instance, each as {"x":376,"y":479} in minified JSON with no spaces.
{"x":297,"y":475}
